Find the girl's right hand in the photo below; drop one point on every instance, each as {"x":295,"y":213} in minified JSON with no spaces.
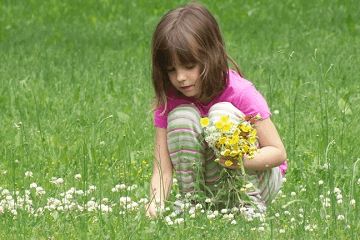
{"x":152,"y":209}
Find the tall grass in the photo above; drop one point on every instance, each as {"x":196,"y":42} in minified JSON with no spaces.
{"x":76,"y":98}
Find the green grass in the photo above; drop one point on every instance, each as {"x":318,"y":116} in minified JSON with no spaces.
{"x":76,"y":98}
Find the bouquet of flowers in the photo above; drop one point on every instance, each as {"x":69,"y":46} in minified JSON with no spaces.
{"x":231,"y":142}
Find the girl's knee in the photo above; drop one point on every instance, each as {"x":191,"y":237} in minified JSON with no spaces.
{"x":225,"y":108}
{"x":184,"y":116}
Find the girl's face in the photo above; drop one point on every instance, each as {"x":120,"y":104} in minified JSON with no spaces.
{"x":185,"y":78}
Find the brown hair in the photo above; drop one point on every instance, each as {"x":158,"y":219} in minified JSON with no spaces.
{"x":192,"y":34}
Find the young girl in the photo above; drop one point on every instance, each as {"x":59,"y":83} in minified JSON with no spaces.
{"x":192,"y":79}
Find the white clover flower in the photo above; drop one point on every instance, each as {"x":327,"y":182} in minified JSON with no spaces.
{"x":327,"y":217}
{"x":40,"y":191}
{"x":104,"y":208}
{"x":337,"y":190}
{"x":321,"y":182}
{"x":125,"y":200}
{"x":358,"y":181}
{"x":303,"y":189}
{"x":132,"y":187}
{"x":188,"y":195}
{"x":340,"y":217}
{"x":1,"y":209}
{"x":287,"y":213}
{"x":92,"y":188}
{"x":198,"y":206}
{"x":340,"y":201}
{"x":28,"y":174}
{"x":276,"y":112}
{"x":281,"y":230}
{"x":179,"y":221}
{"x":233,"y":222}
{"x":211,"y":216}
{"x":224,"y":211}
{"x":77,"y":176}
{"x":293,"y":194}
{"x":32,"y":185}
{"x":79,"y":192}
{"x":301,"y":210}
{"x":208,"y":200}
{"x":143,"y":200}
{"x":13,"y":212}
{"x":292,"y":220}
{"x":307,"y":228}
{"x":284,"y":179}
{"x":277,"y":215}
{"x":261,"y":229}
{"x":339,"y":196}
{"x":352,"y":202}
{"x":235,"y":210}
{"x":57,"y":181}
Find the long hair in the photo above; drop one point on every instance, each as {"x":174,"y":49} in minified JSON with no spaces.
{"x":190,"y":34}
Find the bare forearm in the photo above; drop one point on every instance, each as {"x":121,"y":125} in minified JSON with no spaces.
{"x":265,"y":158}
{"x":160,"y":187}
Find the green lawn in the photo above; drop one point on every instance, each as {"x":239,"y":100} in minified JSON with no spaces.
{"x":76,"y":98}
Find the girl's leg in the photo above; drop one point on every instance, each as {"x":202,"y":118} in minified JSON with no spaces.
{"x":186,"y":148}
{"x":268,"y":182}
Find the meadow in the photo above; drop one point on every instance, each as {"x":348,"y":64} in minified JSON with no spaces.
{"x":76,"y":135}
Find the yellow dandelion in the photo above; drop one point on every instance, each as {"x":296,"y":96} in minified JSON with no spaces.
{"x":236,"y":132}
{"x":245,"y":148}
{"x":228,"y":163}
{"x":222,"y":140}
{"x":226,"y":127}
{"x":224,"y":118}
{"x":252,"y":139}
{"x":234,"y":153}
{"x":219,"y":125}
{"x":204,"y":122}
{"x":245,"y":127}
{"x":226,"y":152}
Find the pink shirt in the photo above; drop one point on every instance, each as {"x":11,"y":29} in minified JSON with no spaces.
{"x":238,"y":91}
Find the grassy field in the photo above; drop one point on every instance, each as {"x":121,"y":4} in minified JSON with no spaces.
{"x":76,"y":133}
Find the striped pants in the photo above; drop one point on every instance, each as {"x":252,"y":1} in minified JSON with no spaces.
{"x":193,"y":160}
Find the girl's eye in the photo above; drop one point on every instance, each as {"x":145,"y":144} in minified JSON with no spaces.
{"x":170,"y":69}
{"x":190,"y":66}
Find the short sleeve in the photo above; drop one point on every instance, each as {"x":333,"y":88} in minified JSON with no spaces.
{"x":252,"y":102}
{"x":160,"y":118}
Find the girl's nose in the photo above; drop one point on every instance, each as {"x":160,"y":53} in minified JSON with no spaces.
{"x":181,"y":75}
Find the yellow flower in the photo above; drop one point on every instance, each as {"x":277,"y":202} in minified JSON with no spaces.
{"x":236,"y":132}
{"x":245,"y":127}
{"x":222,"y":140}
{"x":226,"y":152}
{"x":227,"y":126}
{"x":228,"y":163}
{"x":224,"y":118}
{"x":204,"y":122}
{"x":219,"y":125}
{"x":234,"y":153}
{"x":234,"y":140}
{"x":245,"y":148}
{"x":252,"y":139}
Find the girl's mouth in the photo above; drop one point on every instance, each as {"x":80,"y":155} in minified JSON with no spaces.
{"x":187,"y":88}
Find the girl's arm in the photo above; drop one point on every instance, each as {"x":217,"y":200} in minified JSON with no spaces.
{"x":272,"y":151}
{"x":161,"y":180}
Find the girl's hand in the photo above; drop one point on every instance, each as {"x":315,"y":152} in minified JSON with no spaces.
{"x":153,"y":209}
{"x":229,"y":163}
